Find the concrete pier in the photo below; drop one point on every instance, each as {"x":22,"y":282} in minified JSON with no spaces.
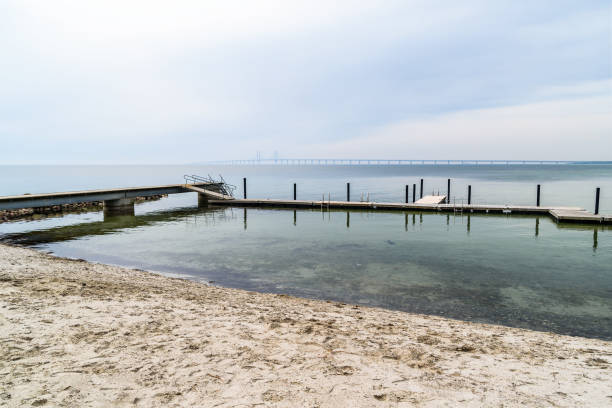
{"x":202,"y":200}
{"x":112,"y":194}
{"x":121,"y":206}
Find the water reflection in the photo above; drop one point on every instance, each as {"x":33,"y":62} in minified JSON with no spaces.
{"x":370,"y":259}
{"x":212,"y":215}
{"x":115,"y":223}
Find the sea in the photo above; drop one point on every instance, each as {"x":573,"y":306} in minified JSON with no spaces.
{"x":518,"y":271}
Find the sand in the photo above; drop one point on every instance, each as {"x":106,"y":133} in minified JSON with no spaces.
{"x":78,"y":334}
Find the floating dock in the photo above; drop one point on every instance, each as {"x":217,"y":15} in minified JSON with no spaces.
{"x":427,"y":203}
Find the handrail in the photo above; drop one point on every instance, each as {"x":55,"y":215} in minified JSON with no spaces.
{"x":224,"y":187}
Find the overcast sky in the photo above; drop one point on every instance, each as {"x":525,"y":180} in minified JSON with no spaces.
{"x":189,"y":81}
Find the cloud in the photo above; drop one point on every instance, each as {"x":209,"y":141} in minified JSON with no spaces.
{"x":97,"y":81}
{"x":564,"y":129}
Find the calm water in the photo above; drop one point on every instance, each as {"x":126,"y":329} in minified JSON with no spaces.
{"x":518,"y":271}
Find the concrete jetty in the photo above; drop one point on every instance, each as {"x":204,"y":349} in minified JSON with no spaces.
{"x":116,"y":200}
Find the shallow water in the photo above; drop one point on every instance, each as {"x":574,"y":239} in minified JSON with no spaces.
{"x":511,"y":270}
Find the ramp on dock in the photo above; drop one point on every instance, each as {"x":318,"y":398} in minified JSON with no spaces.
{"x":210,"y":194}
{"x":432,"y":199}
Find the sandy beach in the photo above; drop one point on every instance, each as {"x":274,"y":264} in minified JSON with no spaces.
{"x":77,"y":334}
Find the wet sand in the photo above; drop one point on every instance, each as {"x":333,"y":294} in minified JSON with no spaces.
{"x":78,"y":334}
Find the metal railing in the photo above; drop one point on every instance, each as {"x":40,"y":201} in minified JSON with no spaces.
{"x":222,"y":186}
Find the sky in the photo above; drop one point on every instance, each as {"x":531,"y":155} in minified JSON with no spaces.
{"x":158,"y":82}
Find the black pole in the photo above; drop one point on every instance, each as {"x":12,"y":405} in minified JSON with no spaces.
{"x":413,"y":193}
{"x":421,"y":189}
{"x":448,"y":191}
{"x":407,"y":190}
{"x":294,"y":191}
{"x":244,"y":187}
{"x":469,"y":194}
{"x":597,"y":201}
{"x":538,"y":199}
{"x":348,"y":191}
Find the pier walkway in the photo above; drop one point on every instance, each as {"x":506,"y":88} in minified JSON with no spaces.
{"x":121,"y":201}
{"x":559,"y":214}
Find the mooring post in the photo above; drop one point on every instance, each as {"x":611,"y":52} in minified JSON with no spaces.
{"x":294,"y":191}
{"x":407,"y":189}
{"x":421,"y":194}
{"x":448,"y":192}
{"x":244,"y":187}
{"x":348,"y":191}
{"x":469,"y":194}
{"x":538,"y":198}
{"x":597,"y":201}
{"x":413,"y":193}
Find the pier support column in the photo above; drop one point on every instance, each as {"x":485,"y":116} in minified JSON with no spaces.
{"x":202,"y":200}
{"x":121,"y":206}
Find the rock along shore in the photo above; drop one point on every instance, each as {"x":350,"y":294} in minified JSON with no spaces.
{"x":73,"y":333}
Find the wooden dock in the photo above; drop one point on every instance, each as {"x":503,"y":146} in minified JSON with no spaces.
{"x":559,"y":214}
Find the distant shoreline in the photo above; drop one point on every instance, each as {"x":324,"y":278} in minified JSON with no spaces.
{"x":77,"y":333}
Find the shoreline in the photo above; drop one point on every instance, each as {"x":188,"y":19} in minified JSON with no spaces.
{"x":74,"y":333}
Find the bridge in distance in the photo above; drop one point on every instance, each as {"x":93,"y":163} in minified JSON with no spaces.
{"x":330,"y":162}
